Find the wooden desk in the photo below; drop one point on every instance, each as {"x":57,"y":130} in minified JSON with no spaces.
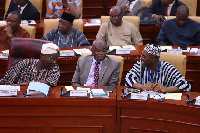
{"x":57,"y":114}
{"x":173,"y":116}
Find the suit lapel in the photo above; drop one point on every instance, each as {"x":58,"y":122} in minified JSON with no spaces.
{"x":25,"y":11}
{"x":103,"y":70}
{"x":87,"y":68}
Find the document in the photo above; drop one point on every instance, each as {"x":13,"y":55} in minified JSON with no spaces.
{"x":154,"y":95}
{"x":83,"y":50}
{"x":38,"y":87}
{"x":174,"y":96}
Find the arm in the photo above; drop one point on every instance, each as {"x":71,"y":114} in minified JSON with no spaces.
{"x":102,"y":32}
{"x":114,"y":78}
{"x":158,"y":87}
{"x":50,"y":11}
{"x":76,"y":11}
{"x":162,"y":38}
{"x":9,"y":34}
{"x":136,"y":36}
{"x":53,"y":77}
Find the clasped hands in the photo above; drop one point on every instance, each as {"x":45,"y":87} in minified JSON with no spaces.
{"x":157,"y":87}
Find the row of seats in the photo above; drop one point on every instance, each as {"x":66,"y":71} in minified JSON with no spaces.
{"x":192,"y":5}
{"x":50,"y":24}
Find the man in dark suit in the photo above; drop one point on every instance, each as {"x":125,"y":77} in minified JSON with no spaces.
{"x":132,"y":7}
{"x":97,"y":69}
{"x":25,"y":8}
{"x":161,"y":8}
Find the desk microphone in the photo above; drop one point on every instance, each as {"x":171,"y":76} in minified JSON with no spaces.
{"x":61,"y":91}
{"x":190,"y":101}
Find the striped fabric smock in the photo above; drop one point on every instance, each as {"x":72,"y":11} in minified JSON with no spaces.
{"x":56,"y":6}
{"x":74,"y":39}
{"x":167,"y":75}
{"x":26,"y":71}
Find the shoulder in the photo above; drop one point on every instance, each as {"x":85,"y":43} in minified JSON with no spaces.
{"x":141,"y":4}
{"x":166,"y":65}
{"x":85,"y":58}
{"x":192,"y":22}
{"x":179,"y":2}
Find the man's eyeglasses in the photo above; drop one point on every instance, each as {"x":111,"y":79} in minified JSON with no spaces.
{"x":115,"y":17}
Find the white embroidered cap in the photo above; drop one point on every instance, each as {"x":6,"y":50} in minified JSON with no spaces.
{"x":153,"y":49}
{"x":49,"y":48}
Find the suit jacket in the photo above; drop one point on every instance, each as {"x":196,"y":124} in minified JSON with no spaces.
{"x":159,"y":9}
{"x":108,"y":76}
{"x":30,"y":12}
{"x":137,"y":9}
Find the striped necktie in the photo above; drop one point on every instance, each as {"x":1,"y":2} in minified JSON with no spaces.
{"x":96,"y":73}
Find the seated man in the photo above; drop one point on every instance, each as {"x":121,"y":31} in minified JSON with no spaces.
{"x":132,"y":7}
{"x":97,"y":69}
{"x":11,"y":30}
{"x":153,"y":75}
{"x":44,"y":70}
{"x":161,"y":8}
{"x":180,"y":31}
{"x":118,"y":31}
{"x":65,"y":35}
{"x":56,"y":8}
{"x":27,"y":10}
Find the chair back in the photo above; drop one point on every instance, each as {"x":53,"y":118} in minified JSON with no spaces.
{"x":147,"y":2}
{"x":7,"y":4}
{"x":177,"y":60}
{"x":22,"y":48}
{"x":38,"y":5}
{"x":120,"y":59}
{"x":192,"y":5}
{"x":132,"y":19}
{"x":50,"y":24}
{"x":195,"y":18}
{"x":47,"y":3}
{"x":30,"y":29}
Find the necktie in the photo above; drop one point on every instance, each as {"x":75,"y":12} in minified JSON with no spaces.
{"x":166,"y":9}
{"x":19,"y":9}
{"x":96,"y":74}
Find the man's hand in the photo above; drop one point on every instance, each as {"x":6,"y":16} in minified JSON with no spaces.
{"x":159,"y":18}
{"x":54,"y":16}
{"x":148,"y":86}
{"x":158,"y":87}
{"x":125,"y":9}
{"x":8,"y":30}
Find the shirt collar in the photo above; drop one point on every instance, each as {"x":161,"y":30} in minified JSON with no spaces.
{"x":170,"y":5}
{"x":22,"y":8}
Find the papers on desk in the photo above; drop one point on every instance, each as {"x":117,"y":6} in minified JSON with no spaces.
{"x":124,"y":50}
{"x":98,"y":23}
{"x":131,"y":47}
{"x":83,"y":50}
{"x":197,"y":102}
{"x":27,"y":22}
{"x":9,"y":90}
{"x":68,"y":88}
{"x":114,"y":47}
{"x":4,"y":54}
{"x":194,"y":50}
{"x":154,"y":95}
{"x":165,"y":47}
{"x":80,"y":88}
{"x":3,"y":22}
{"x":174,"y":96}
{"x":66,"y":53}
{"x":99,"y":93}
{"x":37,"y":88}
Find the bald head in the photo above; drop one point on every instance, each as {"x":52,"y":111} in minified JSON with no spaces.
{"x":99,"y":50}
{"x":182,"y":14}
{"x":116,"y":14}
{"x":116,"y":9}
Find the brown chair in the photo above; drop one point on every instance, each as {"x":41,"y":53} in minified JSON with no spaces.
{"x":50,"y":24}
{"x":7,"y":3}
{"x":177,"y":60}
{"x":120,"y":59}
{"x":38,"y":5}
{"x":147,"y":2}
{"x":132,"y":19}
{"x":192,"y":5}
{"x":22,"y":48}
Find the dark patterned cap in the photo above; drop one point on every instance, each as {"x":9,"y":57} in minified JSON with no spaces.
{"x":68,"y":17}
{"x":153,"y":49}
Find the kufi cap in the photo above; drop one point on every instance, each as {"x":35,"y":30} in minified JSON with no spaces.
{"x":68,"y":17}
{"x":49,"y":48}
{"x":153,"y":49}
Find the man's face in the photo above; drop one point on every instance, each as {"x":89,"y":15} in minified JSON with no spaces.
{"x":64,"y":26}
{"x":181,"y":18}
{"x":49,"y":60}
{"x":19,"y":2}
{"x":99,"y":51}
{"x":167,"y":1}
{"x":115,"y":17}
{"x":146,"y":58}
{"x":13,"y":21}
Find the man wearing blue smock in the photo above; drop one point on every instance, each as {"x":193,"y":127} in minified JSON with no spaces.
{"x":180,"y":31}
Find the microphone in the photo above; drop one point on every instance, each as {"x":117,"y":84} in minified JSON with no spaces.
{"x":61,"y":90}
{"x":190,"y":101}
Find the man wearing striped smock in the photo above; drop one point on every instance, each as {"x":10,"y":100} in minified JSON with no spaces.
{"x":44,"y":70}
{"x":151,"y":74}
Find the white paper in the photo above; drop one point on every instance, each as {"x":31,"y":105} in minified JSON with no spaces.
{"x":114,"y":47}
{"x":67,"y":53}
{"x":80,"y":51}
{"x":97,"y":91}
{"x":90,"y":24}
{"x":175,"y":51}
{"x":123,"y":51}
{"x":27,"y":22}
{"x":131,"y":47}
{"x":5,"y":51}
{"x":3,"y":22}
{"x":188,"y":49}
{"x":68,"y":88}
{"x":80,"y":88}
{"x":174,"y":96}
{"x":194,"y":50}
{"x":165,"y":47}
{"x":10,"y":87}
{"x":154,"y":95}
{"x":80,"y":93}
{"x":37,"y":86}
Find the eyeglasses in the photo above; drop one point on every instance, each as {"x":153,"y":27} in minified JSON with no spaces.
{"x":115,"y":17}
{"x":144,"y":57}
